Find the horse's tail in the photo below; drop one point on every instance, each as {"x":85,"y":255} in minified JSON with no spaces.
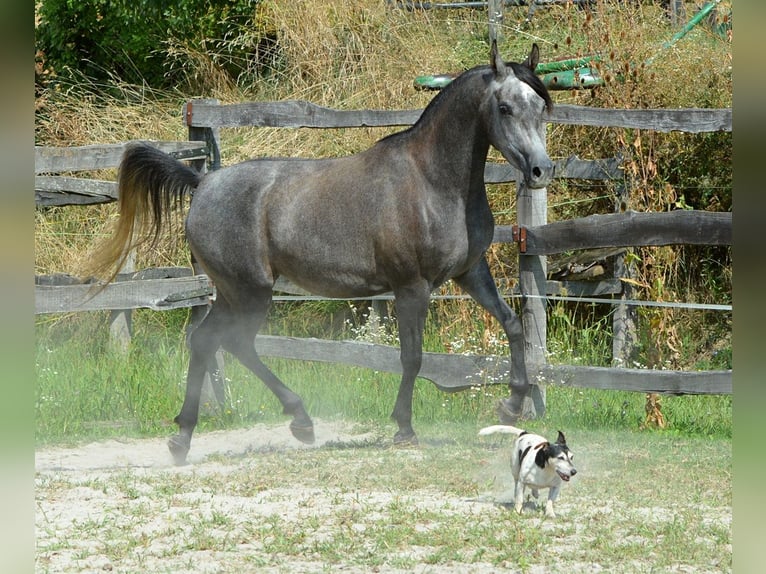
{"x":150,"y":183}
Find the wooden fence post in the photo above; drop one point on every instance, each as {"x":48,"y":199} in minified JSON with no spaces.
{"x":214,"y":385}
{"x":120,"y":320}
{"x":495,"y":9}
{"x":532,"y":209}
{"x":676,"y":12}
{"x":624,"y":317}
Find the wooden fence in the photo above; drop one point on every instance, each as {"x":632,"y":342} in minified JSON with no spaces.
{"x":162,"y":289}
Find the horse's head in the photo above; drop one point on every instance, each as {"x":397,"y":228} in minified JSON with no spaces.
{"x":514,"y":110}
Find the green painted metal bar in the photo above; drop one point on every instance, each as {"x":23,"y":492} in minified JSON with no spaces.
{"x":572,"y":79}
{"x":564,"y":65}
{"x":574,"y":73}
{"x":696,"y":19}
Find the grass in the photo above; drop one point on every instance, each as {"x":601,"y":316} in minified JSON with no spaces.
{"x":88,"y":390}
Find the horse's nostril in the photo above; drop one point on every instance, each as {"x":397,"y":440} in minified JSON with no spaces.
{"x":536,"y":172}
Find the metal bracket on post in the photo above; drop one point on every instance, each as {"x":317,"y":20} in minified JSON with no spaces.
{"x":188,"y":113}
{"x":520,"y":237}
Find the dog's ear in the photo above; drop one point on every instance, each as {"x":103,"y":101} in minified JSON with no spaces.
{"x":561,"y":438}
{"x":541,"y":458}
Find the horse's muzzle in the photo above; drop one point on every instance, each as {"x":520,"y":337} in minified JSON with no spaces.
{"x":540,"y":173}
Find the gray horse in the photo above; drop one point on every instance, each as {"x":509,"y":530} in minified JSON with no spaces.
{"x":404,"y":216}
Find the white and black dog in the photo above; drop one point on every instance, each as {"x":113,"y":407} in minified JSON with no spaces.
{"x":537,"y":463}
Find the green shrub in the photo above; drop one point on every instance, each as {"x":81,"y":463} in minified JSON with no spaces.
{"x":132,"y":41}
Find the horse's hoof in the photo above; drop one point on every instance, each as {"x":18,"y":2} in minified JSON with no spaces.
{"x":505,"y":414}
{"x":305,"y":434}
{"x":179,"y":448}
{"x":405,"y":439}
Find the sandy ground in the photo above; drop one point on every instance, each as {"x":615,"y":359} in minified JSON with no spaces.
{"x":122,"y":506}
{"x":77,"y":513}
{"x":154,"y":454}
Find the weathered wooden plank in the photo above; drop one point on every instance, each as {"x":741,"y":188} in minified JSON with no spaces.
{"x":641,"y":380}
{"x":584,"y":288}
{"x":690,"y":120}
{"x":563,"y":288}
{"x":452,"y":372}
{"x":299,"y":113}
{"x":58,"y":279}
{"x":157,"y":294}
{"x":62,"y":190}
{"x":532,"y":211}
{"x":570,"y":168}
{"x":104,"y":156}
{"x":59,"y":190}
{"x":292,"y":114}
{"x":629,"y":229}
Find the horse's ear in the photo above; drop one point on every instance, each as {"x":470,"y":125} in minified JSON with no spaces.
{"x":496,"y":61}
{"x":533,"y":58}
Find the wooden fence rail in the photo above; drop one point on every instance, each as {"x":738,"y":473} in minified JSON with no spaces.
{"x":455,"y":372}
{"x":302,"y":114}
{"x":56,"y":190}
{"x":173,"y":288}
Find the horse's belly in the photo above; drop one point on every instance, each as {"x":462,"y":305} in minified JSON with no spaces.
{"x":336,"y":284}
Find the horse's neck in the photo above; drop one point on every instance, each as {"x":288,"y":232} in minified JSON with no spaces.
{"x":452,"y":144}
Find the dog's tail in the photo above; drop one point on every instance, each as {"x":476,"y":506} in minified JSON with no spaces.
{"x":505,"y":429}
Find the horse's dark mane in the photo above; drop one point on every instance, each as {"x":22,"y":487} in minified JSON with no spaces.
{"x":521,"y":71}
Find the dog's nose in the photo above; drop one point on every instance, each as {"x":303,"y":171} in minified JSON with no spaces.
{"x":574,"y":471}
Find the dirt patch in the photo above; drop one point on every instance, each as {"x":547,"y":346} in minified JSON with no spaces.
{"x":114,"y":454}
{"x":259,"y":500}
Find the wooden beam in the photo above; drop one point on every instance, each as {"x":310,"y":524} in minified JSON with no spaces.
{"x":532,"y":208}
{"x":59,"y":190}
{"x":104,"y":156}
{"x":641,"y":380}
{"x":157,"y":294}
{"x":453,"y":372}
{"x":570,"y":168}
{"x":292,"y":114}
{"x":689,"y":120}
{"x":629,"y":229}
{"x":303,"y":114}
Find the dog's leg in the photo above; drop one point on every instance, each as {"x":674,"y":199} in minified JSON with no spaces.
{"x":519,"y":496}
{"x":553,"y":493}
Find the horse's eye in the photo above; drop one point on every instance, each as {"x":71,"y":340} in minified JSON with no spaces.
{"x":505,"y":109}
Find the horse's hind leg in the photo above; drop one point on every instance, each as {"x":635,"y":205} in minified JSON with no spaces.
{"x":203,"y":343}
{"x":239,"y":340}
{"x":478,"y":283}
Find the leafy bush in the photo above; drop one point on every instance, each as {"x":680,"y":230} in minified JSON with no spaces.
{"x":130,"y":40}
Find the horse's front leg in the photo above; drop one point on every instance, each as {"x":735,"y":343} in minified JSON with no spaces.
{"x":480,"y":285}
{"x":411,"y":310}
